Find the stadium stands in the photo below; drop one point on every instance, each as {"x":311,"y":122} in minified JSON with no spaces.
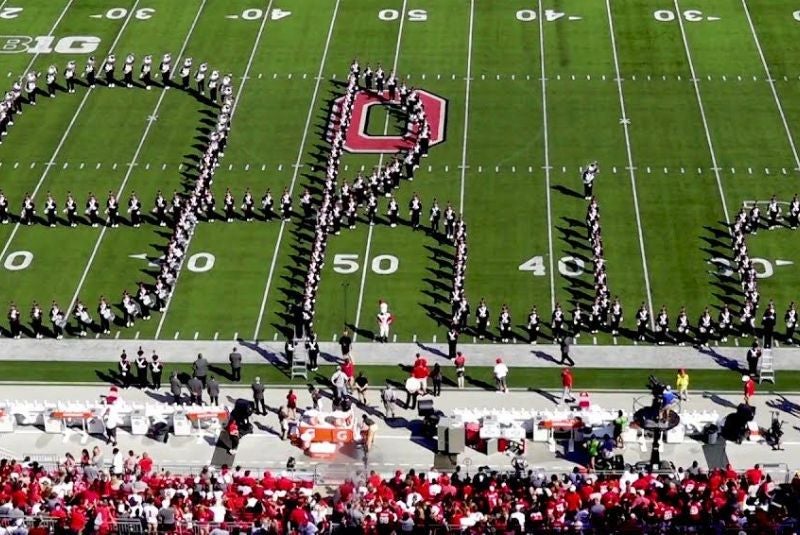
{"x":133,"y":496}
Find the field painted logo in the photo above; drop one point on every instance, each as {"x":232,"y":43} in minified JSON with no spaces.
{"x":358,"y":140}
{"x":46,"y":44}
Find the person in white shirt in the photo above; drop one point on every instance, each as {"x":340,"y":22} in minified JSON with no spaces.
{"x":339,"y":381}
{"x":117,"y":463}
{"x":500,"y":374}
{"x":219,"y":511}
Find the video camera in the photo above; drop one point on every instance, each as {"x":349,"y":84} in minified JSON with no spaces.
{"x":655,"y":386}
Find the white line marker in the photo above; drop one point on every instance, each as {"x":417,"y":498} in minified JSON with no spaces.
{"x":363,"y":281}
{"x":703,"y":116}
{"x":216,"y":334}
{"x":546,"y":158}
{"x":177,"y":333}
{"x":136,"y":336}
{"x":631,"y":172}
{"x":128,"y":173}
{"x":300,"y":152}
{"x":74,"y":116}
{"x":116,"y":336}
{"x":772,"y":85}
{"x":196,"y":335}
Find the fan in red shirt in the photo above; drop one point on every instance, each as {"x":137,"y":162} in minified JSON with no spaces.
{"x":754,"y":475}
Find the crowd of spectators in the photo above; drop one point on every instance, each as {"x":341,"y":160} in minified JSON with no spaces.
{"x":88,"y":495}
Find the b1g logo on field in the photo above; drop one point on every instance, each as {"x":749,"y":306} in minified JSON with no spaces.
{"x":45,"y":44}
{"x":358,"y":140}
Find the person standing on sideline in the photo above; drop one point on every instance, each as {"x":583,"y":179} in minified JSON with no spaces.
{"x":413,"y":389}
{"x":316,"y":397}
{"x":196,"y":390}
{"x":156,"y":369}
{"x":620,"y":424}
{"x":565,"y":343}
{"x":235,"y":358}
{"x":682,"y":384}
{"x":141,"y":368}
{"x":291,"y":404}
{"x":345,"y":343}
{"x":501,"y":375}
{"x":124,"y":370}
{"x":339,"y":382}
{"x":361,"y":384}
{"x":283,"y":421}
{"x":258,"y":396}
{"x":753,"y":356}
{"x":175,"y":387}
{"x":566,"y":384}
{"x":436,"y":378}
{"x":200,"y":368}
{"x":460,"y":362}
{"x":452,"y":342}
{"x":749,"y":388}
{"x":388,"y":397}
{"x":213,"y":391}
{"x":368,"y":430}
{"x":312,"y":346}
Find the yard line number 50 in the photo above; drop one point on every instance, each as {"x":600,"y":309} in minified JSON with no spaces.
{"x":384,"y":264}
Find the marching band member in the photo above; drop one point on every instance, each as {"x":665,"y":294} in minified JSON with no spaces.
{"x":37,"y":316}
{"x":135,"y":210}
{"x":106,"y":314}
{"x":50,"y":210}
{"x":50,"y":79}
{"x":14,"y":323}
{"x":108,"y":67}
{"x":89,"y":72}
{"x":112,"y":210}
{"x":92,"y":207}
{"x":59,"y":321}
{"x":200,"y":78}
{"x":144,"y":72}
{"x":165,"y":68}
{"x":185,"y":73}
{"x":69,"y":76}
{"x":84,"y":320}
{"x":127,"y":70}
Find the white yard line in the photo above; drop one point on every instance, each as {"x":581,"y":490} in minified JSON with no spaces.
{"x":772,"y":85}
{"x":245,"y":77}
{"x":547,"y":161}
{"x":300,"y":152}
{"x":695,"y":82}
{"x":50,"y":33}
{"x":365,"y":263}
{"x":466,"y":108}
{"x":135,"y":157}
{"x":67,"y":131}
{"x":631,"y":168}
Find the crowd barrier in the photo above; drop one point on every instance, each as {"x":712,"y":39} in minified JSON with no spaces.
{"x":134,"y":526}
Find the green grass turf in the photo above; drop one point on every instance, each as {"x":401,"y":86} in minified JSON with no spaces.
{"x":517,"y":207}
{"x":478,"y":377}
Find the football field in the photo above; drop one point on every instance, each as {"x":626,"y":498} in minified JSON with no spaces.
{"x":690,"y":109}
